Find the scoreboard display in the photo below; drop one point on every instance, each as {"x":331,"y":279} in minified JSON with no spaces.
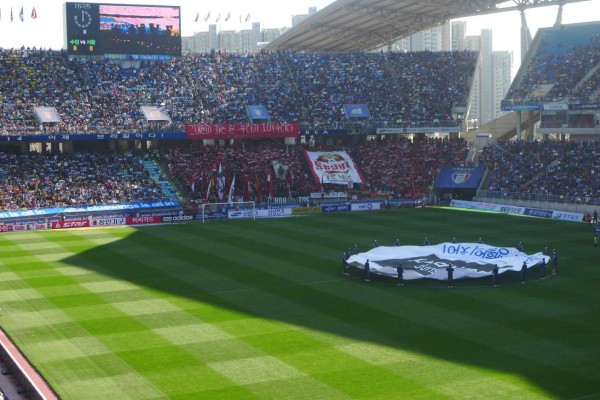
{"x":101,"y":29}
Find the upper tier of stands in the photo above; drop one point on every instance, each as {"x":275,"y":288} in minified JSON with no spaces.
{"x":564,"y":67}
{"x":93,"y":95}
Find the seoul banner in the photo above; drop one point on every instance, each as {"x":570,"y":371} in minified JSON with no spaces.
{"x":241,"y":131}
{"x":469,"y":260}
{"x":336,"y":167}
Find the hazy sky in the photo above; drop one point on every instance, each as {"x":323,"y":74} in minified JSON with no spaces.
{"x":47,"y":30}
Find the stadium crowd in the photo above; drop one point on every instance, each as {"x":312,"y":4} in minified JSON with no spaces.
{"x":408,"y":167}
{"x":93,"y":95}
{"x":559,"y":71}
{"x":541,"y":170}
{"x":42,"y":180}
{"x":268,"y":169}
{"x":400,"y":168}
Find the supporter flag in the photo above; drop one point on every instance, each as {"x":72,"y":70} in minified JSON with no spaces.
{"x":21,"y":15}
{"x":194,"y":186}
{"x":247,"y":188}
{"x":231,"y":190}
{"x":228,"y":16}
{"x":207,"y":17}
{"x":257,"y":187}
{"x":208,"y":188}
{"x":220,"y":184}
{"x":221,"y":187}
{"x":247,"y":18}
{"x":33,"y":13}
{"x":11,"y":14}
{"x":322,"y":182}
{"x":197,"y":17}
{"x":218,"y":17}
{"x":271,"y":191}
{"x":280,"y":169}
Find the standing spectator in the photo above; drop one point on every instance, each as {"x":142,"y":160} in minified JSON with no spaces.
{"x":524,"y":272}
{"x":400,"y":272}
{"x":543,"y":268}
{"x":367,"y":271}
{"x":495,"y":276}
{"x":450,"y":270}
{"x":344,"y":264}
{"x":554,"y":262}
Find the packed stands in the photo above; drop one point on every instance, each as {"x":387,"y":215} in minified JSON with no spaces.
{"x":93,"y":95}
{"x":399,"y":168}
{"x":39,"y":180}
{"x":564,"y":67}
{"x":548,"y":170}
{"x":408,"y":168}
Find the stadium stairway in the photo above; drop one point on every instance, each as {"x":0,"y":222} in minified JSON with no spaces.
{"x":156,"y":173}
{"x":502,"y":128}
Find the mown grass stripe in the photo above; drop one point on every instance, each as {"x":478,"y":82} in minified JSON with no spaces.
{"x":256,"y":283}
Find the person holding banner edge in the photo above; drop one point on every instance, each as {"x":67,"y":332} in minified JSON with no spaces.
{"x":400,"y":272}
{"x":450,"y":270}
{"x":495,"y":276}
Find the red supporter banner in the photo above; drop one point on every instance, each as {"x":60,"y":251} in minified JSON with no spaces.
{"x":241,"y":131}
{"x":84,"y":223}
{"x":149,"y":219}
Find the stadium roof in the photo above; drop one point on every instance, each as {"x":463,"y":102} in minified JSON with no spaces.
{"x":363,"y":25}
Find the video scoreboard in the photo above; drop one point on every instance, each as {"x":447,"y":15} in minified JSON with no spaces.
{"x":102,"y":29}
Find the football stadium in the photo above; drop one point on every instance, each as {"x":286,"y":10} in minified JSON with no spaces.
{"x":319,"y":219}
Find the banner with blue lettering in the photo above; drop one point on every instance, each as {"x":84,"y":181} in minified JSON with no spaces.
{"x":469,"y":260}
{"x":459,"y":177}
{"x":83,"y":209}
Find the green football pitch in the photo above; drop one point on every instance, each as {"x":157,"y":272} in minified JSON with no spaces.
{"x":242,"y":309}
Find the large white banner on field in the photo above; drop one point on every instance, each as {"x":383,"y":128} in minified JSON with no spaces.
{"x":470,"y":260}
{"x":335,"y":167}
